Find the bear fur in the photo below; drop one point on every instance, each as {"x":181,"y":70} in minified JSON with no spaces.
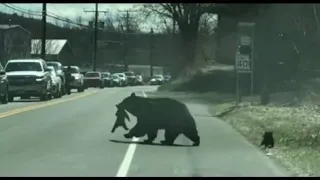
{"x":154,"y":114}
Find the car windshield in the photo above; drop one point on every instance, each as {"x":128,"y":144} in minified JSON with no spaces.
{"x":23,"y":66}
{"x":157,"y":77}
{"x":73,"y":70}
{"x":120,"y":75}
{"x":105,"y":75}
{"x":54,"y":65}
{"x":129,"y":74}
{"x":114,"y":77}
{"x":92,"y":74}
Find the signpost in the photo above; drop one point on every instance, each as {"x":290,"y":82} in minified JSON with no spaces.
{"x":244,"y":54}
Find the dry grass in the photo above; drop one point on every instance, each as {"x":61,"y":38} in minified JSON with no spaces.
{"x":296,"y":131}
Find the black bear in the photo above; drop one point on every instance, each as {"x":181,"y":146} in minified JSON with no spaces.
{"x":120,"y":121}
{"x":154,"y":114}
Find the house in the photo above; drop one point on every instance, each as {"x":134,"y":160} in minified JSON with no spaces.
{"x":56,"y":50}
{"x":15,"y":42}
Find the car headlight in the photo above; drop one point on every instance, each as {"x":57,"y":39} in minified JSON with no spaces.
{"x":76,"y":78}
{"x":40,"y":79}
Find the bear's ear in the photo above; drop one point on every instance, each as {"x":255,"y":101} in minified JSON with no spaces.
{"x":133,"y":94}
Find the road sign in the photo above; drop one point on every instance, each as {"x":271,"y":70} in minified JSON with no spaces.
{"x":243,"y":63}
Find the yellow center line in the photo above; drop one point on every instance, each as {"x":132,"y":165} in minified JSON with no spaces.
{"x":46,"y":104}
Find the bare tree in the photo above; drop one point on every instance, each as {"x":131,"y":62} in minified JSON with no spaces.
{"x":128,"y":24}
{"x":188,"y":18}
{"x":79,"y":20}
{"x":67,"y":24}
{"x":57,"y":22}
{"x":110,"y":22}
{"x":51,"y":46}
{"x":30,"y":13}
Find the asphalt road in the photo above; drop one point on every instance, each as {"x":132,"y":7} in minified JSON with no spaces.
{"x":71,"y":136}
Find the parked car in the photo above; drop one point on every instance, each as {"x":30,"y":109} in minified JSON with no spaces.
{"x":156,"y":80}
{"x":166,"y":78}
{"x":139,"y":80}
{"x":116,"y":81}
{"x":4,"y":85}
{"x":123,"y":79}
{"x":131,"y":78}
{"x":93,"y":79}
{"x":59,"y":71}
{"x":56,"y":83}
{"x":78,"y":79}
{"x":28,"y":77}
{"x":106,"y":79}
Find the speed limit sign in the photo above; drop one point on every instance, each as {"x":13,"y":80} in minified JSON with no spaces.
{"x":243,"y":63}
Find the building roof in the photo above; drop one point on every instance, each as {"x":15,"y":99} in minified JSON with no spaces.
{"x":53,"y":46}
{"x":12,"y":26}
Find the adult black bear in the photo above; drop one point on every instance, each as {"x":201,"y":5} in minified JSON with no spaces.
{"x":154,"y":114}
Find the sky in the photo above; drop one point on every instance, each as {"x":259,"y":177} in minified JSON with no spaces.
{"x":70,"y":11}
{"x":74,"y":10}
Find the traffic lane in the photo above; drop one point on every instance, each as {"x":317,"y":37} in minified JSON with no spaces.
{"x":222,"y":152}
{"x":67,"y":139}
{"x":23,"y":103}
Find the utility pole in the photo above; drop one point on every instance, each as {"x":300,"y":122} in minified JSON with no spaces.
{"x":44,"y":29}
{"x":151,"y":52}
{"x":125,"y":44}
{"x":95,"y":39}
{"x":173,"y":47}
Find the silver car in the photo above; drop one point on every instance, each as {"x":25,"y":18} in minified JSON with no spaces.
{"x":123,"y":78}
{"x":78,"y":78}
{"x":56,"y":83}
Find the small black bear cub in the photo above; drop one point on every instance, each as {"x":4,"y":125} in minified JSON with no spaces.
{"x":268,"y":140}
{"x":120,"y":121}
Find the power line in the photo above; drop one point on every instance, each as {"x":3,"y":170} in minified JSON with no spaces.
{"x":54,"y":16}
{"x":18,"y":9}
{"x":30,"y":11}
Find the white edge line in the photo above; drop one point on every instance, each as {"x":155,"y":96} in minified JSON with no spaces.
{"x":125,"y":164}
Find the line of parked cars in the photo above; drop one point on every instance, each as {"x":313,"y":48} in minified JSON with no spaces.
{"x":26,"y":78}
{"x":106,"y":79}
{"x":159,"y":79}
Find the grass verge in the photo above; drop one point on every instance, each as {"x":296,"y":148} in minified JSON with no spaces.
{"x":296,"y":131}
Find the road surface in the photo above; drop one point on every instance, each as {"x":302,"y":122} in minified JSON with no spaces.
{"x":71,"y":136}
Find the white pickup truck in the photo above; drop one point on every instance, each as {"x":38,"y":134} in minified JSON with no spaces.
{"x":28,"y":77}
